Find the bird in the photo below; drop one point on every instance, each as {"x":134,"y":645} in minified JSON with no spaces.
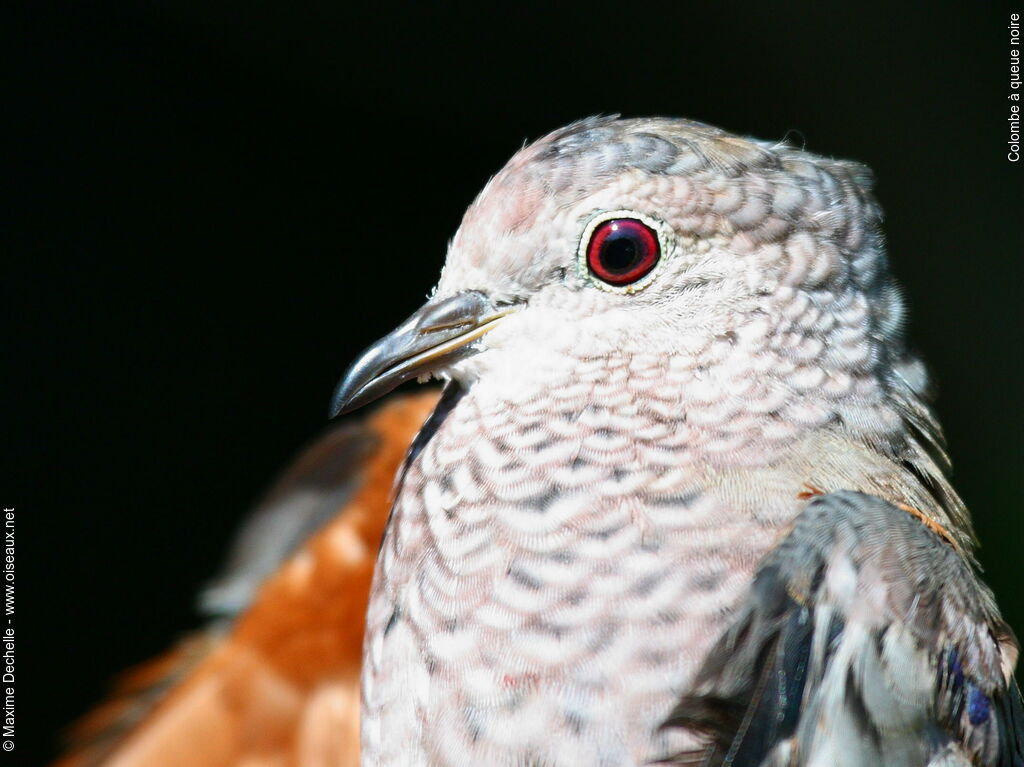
{"x":681,"y":500}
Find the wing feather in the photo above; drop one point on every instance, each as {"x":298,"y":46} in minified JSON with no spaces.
{"x":278,"y":684}
{"x":865,"y":640}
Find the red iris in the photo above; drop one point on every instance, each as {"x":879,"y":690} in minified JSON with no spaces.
{"x":622,"y":250}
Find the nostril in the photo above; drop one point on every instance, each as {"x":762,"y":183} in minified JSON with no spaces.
{"x":460,"y":310}
{"x":446,"y":324}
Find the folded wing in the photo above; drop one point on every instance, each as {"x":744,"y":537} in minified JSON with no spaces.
{"x":865,"y":640}
{"x":275,"y":679}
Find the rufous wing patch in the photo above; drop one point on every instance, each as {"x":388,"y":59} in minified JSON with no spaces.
{"x":280,"y":688}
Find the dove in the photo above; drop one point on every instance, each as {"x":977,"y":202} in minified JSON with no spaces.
{"x":683,"y":500}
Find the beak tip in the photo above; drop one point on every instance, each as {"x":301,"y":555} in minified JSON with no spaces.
{"x":354,"y":386}
{"x":342,"y":401}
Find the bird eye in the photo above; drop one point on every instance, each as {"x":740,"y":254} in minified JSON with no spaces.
{"x":622,"y":250}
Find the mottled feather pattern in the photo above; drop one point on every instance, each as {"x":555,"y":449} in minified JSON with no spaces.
{"x":785,"y":245}
{"x":865,"y":639}
{"x":702,"y":517}
{"x":579,"y":529}
{"x":501,"y":584}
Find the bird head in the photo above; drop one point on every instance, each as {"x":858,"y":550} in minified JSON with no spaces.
{"x":659,"y":237}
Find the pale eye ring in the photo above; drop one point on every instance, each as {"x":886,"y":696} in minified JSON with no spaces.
{"x":620,"y":249}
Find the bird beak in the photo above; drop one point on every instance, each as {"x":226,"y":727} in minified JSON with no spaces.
{"x":437,"y":335}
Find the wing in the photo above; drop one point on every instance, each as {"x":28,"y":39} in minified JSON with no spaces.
{"x":865,"y":640}
{"x":275,"y":680}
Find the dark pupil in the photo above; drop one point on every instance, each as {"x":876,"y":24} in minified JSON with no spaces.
{"x":619,"y":253}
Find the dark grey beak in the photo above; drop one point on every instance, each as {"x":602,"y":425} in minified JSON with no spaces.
{"x":437,"y":335}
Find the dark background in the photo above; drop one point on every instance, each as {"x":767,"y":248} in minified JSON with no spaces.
{"x":217,"y":205}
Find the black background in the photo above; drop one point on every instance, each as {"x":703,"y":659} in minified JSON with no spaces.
{"x":217,"y":205}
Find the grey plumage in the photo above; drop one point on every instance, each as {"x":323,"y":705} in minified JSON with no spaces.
{"x":618,"y":459}
{"x":865,"y":639}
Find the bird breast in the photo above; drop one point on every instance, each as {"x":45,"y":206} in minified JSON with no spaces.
{"x":550,"y":565}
